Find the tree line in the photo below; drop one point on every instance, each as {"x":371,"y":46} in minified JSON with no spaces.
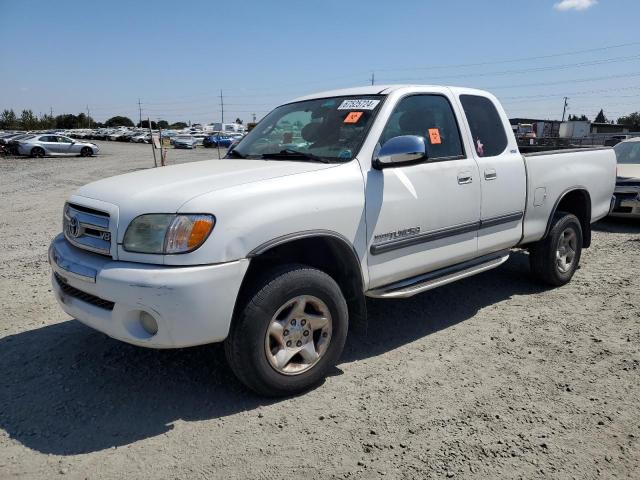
{"x":29,"y":121}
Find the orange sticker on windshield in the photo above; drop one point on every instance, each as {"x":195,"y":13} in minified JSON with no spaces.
{"x":434,"y":136}
{"x":353,"y":117}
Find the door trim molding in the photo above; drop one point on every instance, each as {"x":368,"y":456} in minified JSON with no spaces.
{"x":396,"y":244}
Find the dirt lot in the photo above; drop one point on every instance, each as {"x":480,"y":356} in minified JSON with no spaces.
{"x":492,"y":377}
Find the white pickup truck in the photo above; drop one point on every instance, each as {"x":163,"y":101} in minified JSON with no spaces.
{"x":380,"y":191}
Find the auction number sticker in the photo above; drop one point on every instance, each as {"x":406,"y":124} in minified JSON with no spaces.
{"x":358,"y":104}
{"x":434,"y":136}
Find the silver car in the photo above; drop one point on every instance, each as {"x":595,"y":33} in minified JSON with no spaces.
{"x":184,"y":141}
{"x":52,"y":144}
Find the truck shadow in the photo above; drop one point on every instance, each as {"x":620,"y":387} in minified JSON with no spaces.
{"x":618,"y":225}
{"x":68,"y":390}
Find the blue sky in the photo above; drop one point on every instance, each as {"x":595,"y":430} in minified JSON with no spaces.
{"x":177,"y":56}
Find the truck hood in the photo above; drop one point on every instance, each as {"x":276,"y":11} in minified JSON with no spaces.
{"x":629,"y":171}
{"x":165,"y":189}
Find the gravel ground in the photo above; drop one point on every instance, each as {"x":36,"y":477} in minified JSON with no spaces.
{"x":491,"y":377}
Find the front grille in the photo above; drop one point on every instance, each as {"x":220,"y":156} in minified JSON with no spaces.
{"x":87,"y":228}
{"x":84,"y":296}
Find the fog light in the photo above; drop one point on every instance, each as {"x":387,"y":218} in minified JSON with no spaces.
{"x":148,"y":323}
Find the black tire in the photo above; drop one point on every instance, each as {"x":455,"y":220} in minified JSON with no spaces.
{"x":86,"y":152}
{"x":37,"y":152}
{"x":245,"y":347}
{"x":543,"y":256}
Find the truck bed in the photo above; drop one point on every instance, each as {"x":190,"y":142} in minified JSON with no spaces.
{"x":550,"y":175}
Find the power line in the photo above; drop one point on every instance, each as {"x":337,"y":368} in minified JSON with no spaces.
{"x":513,"y":60}
{"x":527,"y":70}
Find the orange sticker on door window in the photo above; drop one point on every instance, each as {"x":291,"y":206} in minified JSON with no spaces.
{"x":353,"y":117}
{"x":434,"y":136}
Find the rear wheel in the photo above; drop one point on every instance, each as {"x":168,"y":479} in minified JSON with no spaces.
{"x":290,"y":330}
{"x":555,"y":259}
{"x":86,"y":152}
{"x":37,"y":152}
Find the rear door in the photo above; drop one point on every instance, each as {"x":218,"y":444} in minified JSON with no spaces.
{"x":425,"y":216}
{"x":503,"y":177}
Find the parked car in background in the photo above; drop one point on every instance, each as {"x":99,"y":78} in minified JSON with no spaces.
{"x":627,"y":193}
{"x":184,"y":141}
{"x":14,"y":142}
{"x":616,"y":139}
{"x":199,"y":137}
{"x":217,"y":141}
{"x":48,"y":144}
{"x":4,"y":139}
{"x":141,"y":138}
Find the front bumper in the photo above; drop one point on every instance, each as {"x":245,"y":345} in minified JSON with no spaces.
{"x":627,"y":202}
{"x":192,"y":305}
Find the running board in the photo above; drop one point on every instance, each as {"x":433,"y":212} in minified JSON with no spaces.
{"x":427,"y":281}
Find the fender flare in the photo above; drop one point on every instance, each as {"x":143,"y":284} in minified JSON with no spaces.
{"x":587,"y":225}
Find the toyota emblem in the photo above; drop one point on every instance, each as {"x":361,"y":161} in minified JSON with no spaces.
{"x":73,"y":228}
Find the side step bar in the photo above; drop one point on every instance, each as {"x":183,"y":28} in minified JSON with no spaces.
{"x":427,"y":281}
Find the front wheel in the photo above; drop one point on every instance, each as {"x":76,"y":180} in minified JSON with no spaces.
{"x":555,"y":259}
{"x":86,"y":152}
{"x":290,"y":331}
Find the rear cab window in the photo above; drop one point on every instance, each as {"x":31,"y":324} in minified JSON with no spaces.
{"x":487,"y":129}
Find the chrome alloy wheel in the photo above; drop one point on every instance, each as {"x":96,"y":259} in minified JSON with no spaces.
{"x":298,"y":335}
{"x":566,"y":251}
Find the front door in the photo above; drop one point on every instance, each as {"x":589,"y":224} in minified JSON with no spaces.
{"x":425,"y":216}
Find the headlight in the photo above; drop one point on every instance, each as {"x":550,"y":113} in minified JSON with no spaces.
{"x":167,"y":233}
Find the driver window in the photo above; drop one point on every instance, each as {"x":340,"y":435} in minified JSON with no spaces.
{"x":430,"y":117}
{"x":64,"y":140}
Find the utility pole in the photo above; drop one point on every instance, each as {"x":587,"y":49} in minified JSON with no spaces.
{"x":564,"y":110}
{"x":373,"y":78}
{"x":222,"y":107}
{"x":139,"y":112}
{"x":88,"y":116}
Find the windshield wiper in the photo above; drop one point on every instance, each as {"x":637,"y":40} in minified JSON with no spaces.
{"x":290,"y":154}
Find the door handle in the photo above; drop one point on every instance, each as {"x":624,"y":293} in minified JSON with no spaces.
{"x":464,"y":178}
{"x":490,"y":174}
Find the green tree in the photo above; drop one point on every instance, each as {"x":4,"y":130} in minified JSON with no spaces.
{"x":632,"y":121}
{"x":145,"y":124}
{"x":163,"y":124}
{"x":238,"y":121}
{"x":28,"y":121}
{"x":178,"y":125}
{"x":66,"y":120}
{"x":119,"y":121}
{"x":46,"y":122}
{"x":576,"y":118}
{"x":8,"y":120}
{"x":601,"y":118}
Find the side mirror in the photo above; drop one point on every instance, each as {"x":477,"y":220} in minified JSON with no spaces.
{"x":401,"y":150}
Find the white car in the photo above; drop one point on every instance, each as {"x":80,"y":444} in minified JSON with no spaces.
{"x":627,"y":193}
{"x":50,"y":144}
{"x":185,"y":141}
{"x":388,"y":191}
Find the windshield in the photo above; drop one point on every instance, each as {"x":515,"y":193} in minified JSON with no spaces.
{"x":628,"y":152}
{"x":331,"y":129}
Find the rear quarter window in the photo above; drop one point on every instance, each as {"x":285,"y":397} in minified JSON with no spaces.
{"x":487,"y":129}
